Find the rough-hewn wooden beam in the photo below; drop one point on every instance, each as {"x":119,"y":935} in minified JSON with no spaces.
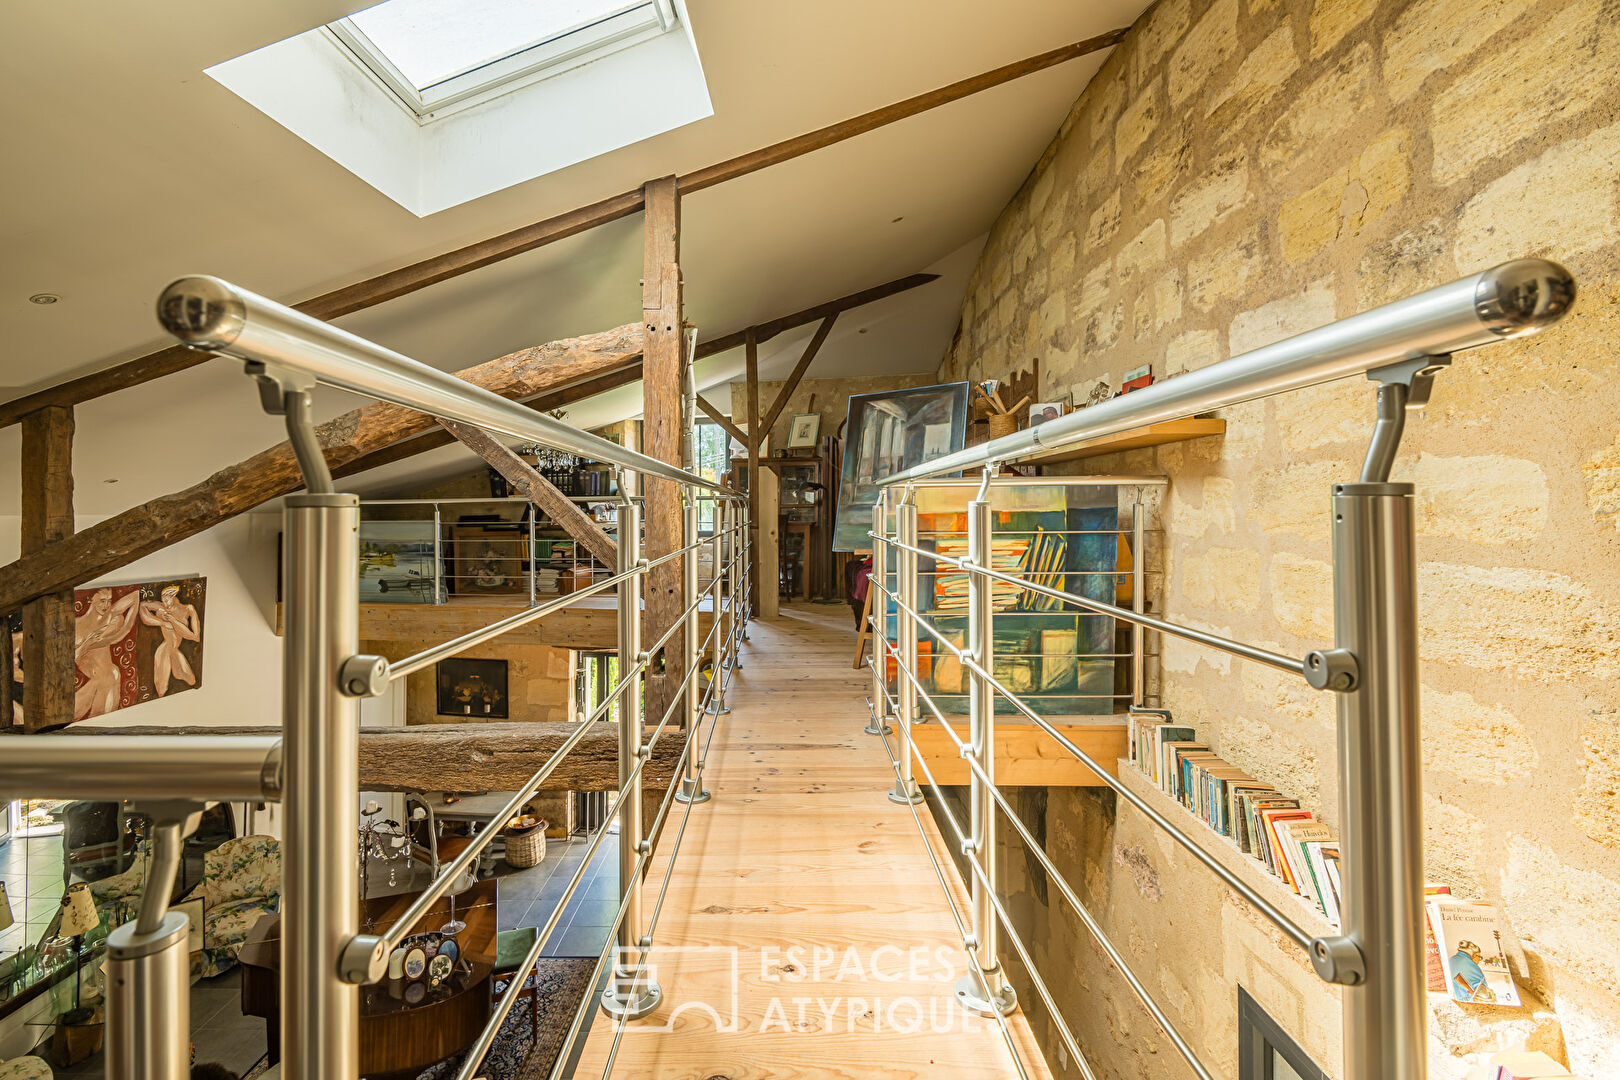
{"x":538,"y":490}
{"x":47,"y":518}
{"x":792,"y":383}
{"x":468,"y":757}
{"x":418,"y":275}
{"x":766,"y":330}
{"x":274,"y":472}
{"x":663,"y":371}
{"x":718,"y":417}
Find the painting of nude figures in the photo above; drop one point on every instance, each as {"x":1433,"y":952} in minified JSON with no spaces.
{"x":135,"y":643}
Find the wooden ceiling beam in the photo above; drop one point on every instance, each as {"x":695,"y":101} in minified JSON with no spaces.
{"x":419,"y":275}
{"x":718,"y":417}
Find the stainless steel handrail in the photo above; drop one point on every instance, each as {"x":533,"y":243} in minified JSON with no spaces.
{"x":215,"y":316}
{"x":227,"y":768}
{"x":1214,"y":641}
{"x":1510,"y":300}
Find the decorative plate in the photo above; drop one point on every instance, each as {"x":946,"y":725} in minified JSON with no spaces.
{"x":448,"y":947}
{"x":415,"y":963}
{"x":439,"y":968}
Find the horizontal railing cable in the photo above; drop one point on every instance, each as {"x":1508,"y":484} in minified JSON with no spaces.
{"x":1091,"y":924}
{"x":1214,"y":641}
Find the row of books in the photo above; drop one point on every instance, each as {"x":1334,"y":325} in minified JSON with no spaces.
{"x":1466,"y":958}
{"x":1264,"y":823}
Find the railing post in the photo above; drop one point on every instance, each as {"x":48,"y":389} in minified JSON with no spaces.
{"x":723,"y":524}
{"x":746,"y":539}
{"x":320,"y":732}
{"x":905,"y":587}
{"x":626,"y":995}
{"x":1138,"y":604}
{"x":739,"y":582}
{"x":879,"y":712}
{"x":1381,"y":780}
{"x":987,"y":990}
{"x":692,"y":790}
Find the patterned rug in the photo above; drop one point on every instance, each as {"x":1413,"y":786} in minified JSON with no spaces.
{"x":562,"y":981}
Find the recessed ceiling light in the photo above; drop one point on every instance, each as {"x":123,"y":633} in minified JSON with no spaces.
{"x":44,"y":298}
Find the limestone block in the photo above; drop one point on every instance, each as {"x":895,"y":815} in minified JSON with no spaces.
{"x":1208,"y":45}
{"x":1103,"y":223}
{"x":1053,"y":316}
{"x":1597,"y":804}
{"x":1184,"y":656}
{"x":1602,"y":472}
{"x":1406,"y":263}
{"x":1142,"y":253}
{"x":1489,"y":499}
{"x":1463,"y":1037}
{"x":1282,"y":318}
{"x":1515,"y":216}
{"x":1302,"y":597}
{"x":1200,"y":348}
{"x":1297,"y":499}
{"x":1223,"y":273}
{"x":1100,"y":168}
{"x":1103,"y":328}
{"x":1109,"y":96}
{"x":1162,"y":167}
{"x":1535,"y":625}
{"x":1321,"y":111}
{"x":1094,"y":287}
{"x":1258,"y":79}
{"x":1564,"y":66}
{"x":1309,"y":222}
{"x":1163,"y":304}
{"x":1222,"y":189}
{"x":1162,"y":28}
{"x":1433,"y":35}
{"x":1024,"y":252}
{"x":1006,"y":310}
{"x":1451,"y":836}
{"x":1561,"y":912}
{"x":1224,"y":578}
{"x":1137,"y":122}
{"x":1337,"y":412}
{"x":1332,"y":19}
{"x":1286,"y":700}
{"x":1220,"y":504}
{"x":1474,"y":741}
{"x":1040,"y":192}
{"x":1033,"y":290}
{"x":1062,"y":260}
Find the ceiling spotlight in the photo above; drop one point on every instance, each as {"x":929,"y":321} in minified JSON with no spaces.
{"x":44,"y":298}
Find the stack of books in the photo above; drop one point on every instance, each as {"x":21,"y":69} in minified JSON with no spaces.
{"x":546,"y":580}
{"x":1262,"y":822}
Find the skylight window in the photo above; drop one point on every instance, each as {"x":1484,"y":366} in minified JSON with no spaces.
{"x":437,"y":55}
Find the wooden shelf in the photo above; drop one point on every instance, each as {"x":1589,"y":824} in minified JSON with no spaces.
{"x":1153,"y":435}
{"x":1026,"y":756}
{"x":1245,"y":868}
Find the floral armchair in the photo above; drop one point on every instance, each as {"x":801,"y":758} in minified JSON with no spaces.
{"x":118,"y":898}
{"x":25,"y":1068}
{"x":241,"y":882}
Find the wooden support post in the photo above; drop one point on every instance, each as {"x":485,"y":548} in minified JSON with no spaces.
{"x":768,"y":555}
{"x":663,"y":374}
{"x":538,"y":490}
{"x":755,"y":437}
{"x":47,"y":517}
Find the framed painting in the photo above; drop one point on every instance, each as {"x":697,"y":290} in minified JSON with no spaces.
{"x":888,"y":432}
{"x":397,"y":562}
{"x":135,"y":643}
{"x":806,"y":428}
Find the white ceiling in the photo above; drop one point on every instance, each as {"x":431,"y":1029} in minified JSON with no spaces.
{"x":129,"y":167}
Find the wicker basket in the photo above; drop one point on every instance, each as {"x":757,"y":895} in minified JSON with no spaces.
{"x":526,"y":847}
{"x":1003,"y":424}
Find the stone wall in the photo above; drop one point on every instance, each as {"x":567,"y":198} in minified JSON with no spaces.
{"x":1242,"y":170}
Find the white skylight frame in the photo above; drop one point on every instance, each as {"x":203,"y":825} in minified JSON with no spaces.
{"x":634,"y":22}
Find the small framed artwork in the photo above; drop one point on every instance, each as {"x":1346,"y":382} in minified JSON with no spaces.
{"x":475,"y":688}
{"x":1042,"y":411}
{"x":805,"y":431}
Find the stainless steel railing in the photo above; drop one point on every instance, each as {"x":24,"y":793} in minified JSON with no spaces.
{"x":1371,"y":668}
{"x":313,"y":767}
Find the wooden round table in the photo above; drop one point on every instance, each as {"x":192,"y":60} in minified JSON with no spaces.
{"x":397,"y":1037}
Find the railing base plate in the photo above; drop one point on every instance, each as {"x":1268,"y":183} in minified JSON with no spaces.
{"x":901,"y":795}
{"x":687,"y":795}
{"x":633,"y":1006}
{"x":970,"y":994}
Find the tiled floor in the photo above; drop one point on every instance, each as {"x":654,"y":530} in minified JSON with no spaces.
{"x":32,"y":871}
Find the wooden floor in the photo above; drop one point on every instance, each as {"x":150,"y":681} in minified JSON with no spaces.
{"x":805,"y":933}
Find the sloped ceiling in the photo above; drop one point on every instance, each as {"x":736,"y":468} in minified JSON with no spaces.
{"x":129,"y":167}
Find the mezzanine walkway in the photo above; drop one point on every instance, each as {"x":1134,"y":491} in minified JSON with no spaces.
{"x":805,"y":933}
